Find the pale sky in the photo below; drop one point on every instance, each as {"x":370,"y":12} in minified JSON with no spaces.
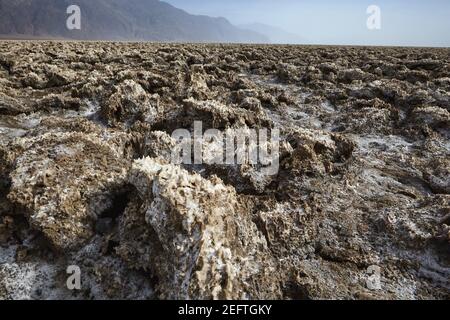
{"x":403,"y":22}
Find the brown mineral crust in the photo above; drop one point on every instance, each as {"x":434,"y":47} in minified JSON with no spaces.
{"x":129,"y":104}
{"x":218,"y":116}
{"x":64,"y":180}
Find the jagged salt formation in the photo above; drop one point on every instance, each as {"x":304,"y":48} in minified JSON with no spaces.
{"x":205,"y":245}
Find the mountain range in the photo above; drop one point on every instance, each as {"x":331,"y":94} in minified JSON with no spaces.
{"x":131,"y":20}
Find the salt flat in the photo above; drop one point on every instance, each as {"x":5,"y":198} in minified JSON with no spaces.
{"x":86,"y":176}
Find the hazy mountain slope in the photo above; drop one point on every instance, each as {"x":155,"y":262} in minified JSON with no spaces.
{"x":275,"y":34}
{"x":117,"y":20}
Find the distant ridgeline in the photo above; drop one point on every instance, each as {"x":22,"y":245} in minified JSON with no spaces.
{"x":136,"y":20}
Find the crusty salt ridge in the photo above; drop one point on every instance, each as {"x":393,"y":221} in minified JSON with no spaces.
{"x":64,"y":190}
{"x":210,"y":248}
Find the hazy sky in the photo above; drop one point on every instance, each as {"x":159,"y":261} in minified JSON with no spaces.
{"x":403,"y":22}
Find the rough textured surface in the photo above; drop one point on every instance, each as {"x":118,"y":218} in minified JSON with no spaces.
{"x":205,"y":244}
{"x":86,"y":176}
{"x":64,"y":181}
